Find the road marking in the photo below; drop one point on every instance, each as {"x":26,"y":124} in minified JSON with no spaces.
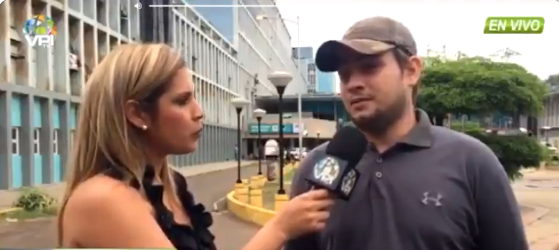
{"x":216,"y":204}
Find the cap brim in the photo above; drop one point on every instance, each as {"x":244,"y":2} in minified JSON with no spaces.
{"x":330,"y":54}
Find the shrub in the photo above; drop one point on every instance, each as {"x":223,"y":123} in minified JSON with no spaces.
{"x":32,"y":199}
{"x":514,"y":151}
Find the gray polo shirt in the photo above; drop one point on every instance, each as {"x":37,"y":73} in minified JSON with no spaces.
{"x":437,"y":189}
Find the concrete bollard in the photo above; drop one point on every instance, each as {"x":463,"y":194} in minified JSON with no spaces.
{"x":242,"y":194}
{"x":238,"y":186}
{"x":279,"y":201}
{"x":255,"y":181}
{"x":256,"y":197}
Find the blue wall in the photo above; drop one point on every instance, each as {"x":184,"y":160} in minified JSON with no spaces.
{"x":326,"y":82}
{"x":17,"y":166}
{"x":221,"y":18}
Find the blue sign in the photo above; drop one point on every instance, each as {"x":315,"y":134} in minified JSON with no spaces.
{"x":270,"y":128}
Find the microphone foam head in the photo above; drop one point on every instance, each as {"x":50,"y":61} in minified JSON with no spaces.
{"x":348,"y":144}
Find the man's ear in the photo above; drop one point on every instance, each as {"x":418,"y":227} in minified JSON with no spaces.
{"x":135,"y":115}
{"x":412,"y":74}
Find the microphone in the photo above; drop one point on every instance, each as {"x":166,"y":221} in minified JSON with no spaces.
{"x":336,"y":171}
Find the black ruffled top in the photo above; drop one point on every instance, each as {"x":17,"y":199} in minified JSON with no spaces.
{"x":183,"y":237}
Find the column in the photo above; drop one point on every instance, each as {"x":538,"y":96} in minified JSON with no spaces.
{"x":46,"y":141}
{"x":64,"y":136}
{"x":5,"y":139}
{"x":26,"y":139}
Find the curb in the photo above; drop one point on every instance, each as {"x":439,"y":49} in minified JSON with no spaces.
{"x":9,"y":210}
{"x":248,"y":213}
{"x":251,"y":164}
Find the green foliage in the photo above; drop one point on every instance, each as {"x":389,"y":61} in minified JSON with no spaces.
{"x":465,"y":126}
{"x":514,"y":151}
{"x":478,"y":86}
{"x":33,"y":199}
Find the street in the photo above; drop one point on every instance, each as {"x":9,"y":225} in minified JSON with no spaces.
{"x":231,"y":234}
{"x":537,"y":192}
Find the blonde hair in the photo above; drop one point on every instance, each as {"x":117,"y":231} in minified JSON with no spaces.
{"x":104,"y":137}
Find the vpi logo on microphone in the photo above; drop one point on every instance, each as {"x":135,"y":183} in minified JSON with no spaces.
{"x":349,"y":182}
{"x":326,"y":170}
{"x":432,"y":199}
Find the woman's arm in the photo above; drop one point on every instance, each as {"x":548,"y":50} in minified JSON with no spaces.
{"x":269,"y":237}
{"x":303,"y":214}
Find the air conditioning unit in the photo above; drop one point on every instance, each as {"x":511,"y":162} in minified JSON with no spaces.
{"x":74,"y":62}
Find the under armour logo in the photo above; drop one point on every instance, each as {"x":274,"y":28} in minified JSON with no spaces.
{"x":435,"y":200}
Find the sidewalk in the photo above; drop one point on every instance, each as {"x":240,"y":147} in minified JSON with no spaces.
{"x":7,"y":197}
{"x":540,"y":190}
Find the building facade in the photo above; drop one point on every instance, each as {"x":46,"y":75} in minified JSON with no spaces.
{"x":302,"y":53}
{"x":40,"y":88}
{"x":311,"y":76}
{"x":326,"y":82}
{"x":549,"y":119}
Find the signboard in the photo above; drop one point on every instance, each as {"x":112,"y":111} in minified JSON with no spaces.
{"x":271,"y":128}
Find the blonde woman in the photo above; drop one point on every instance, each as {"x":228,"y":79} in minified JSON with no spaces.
{"x":139,"y":107}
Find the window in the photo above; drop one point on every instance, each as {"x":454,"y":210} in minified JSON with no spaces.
{"x":55,"y":141}
{"x":36,"y":140}
{"x":15,"y":140}
{"x":194,"y":59}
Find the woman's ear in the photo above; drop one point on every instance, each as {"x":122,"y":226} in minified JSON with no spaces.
{"x":135,"y":115}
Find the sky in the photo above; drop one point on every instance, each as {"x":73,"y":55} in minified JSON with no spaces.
{"x":456,"y":25}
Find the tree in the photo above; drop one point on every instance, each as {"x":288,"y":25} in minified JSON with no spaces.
{"x":479,"y":86}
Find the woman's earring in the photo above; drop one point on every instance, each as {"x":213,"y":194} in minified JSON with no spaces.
{"x":144,"y":127}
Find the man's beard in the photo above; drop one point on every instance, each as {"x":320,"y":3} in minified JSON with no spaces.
{"x":380,"y":121}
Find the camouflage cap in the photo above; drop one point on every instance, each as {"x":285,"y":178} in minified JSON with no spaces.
{"x":369,"y":36}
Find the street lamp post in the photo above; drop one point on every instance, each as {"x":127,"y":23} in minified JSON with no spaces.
{"x":239,"y":103}
{"x":259,"y":113}
{"x":280,"y":80}
{"x":299,"y":96}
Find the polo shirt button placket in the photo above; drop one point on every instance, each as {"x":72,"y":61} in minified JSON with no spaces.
{"x":378,"y":174}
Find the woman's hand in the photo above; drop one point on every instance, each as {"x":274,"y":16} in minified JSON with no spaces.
{"x":305,"y":213}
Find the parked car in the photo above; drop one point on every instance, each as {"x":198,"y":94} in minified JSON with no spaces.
{"x":295,"y":152}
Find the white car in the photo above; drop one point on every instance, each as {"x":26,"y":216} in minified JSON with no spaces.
{"x":295,"y":152}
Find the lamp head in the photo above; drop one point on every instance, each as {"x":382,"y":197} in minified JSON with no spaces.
{"x":239,"y":103}
{"x":259,"y":113}
{"x":280,"y":80}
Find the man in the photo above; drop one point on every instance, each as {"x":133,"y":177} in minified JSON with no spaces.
{"x":421,"y":187}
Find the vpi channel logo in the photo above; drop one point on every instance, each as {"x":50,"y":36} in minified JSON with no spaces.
{"x":40,"y":31}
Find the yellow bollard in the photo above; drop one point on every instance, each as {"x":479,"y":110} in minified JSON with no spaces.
{"x":238,"y":186}
{"x":242,"y":194}
{"x":279,"y":201}
{"x":255,"y":181}
{"x":256,"y":197}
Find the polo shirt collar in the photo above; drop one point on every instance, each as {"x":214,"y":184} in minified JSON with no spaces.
{"x":420,"y":135}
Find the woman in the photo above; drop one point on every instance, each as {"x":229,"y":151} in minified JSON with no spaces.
{"x":138,"y":108}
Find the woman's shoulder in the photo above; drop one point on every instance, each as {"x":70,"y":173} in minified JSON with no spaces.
{"x":102,"y":194}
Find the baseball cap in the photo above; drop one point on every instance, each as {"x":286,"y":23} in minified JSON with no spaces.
{"x":369,"y":36}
